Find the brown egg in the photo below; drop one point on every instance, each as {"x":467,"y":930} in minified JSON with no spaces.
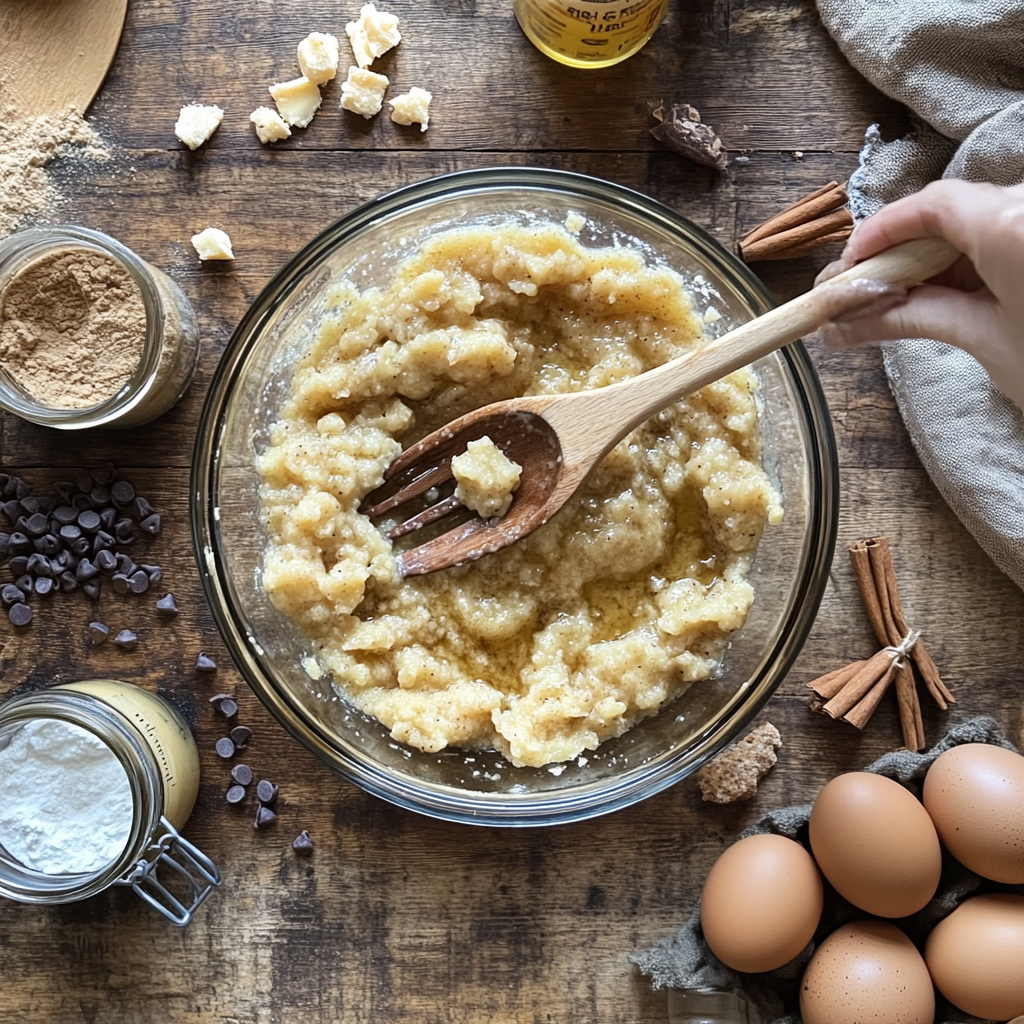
{"x":975,"y":795}
{"x":761,"y":903}
{"x":976,"y":956}
{"x":876,"y":844}
{"x":867,"y":971}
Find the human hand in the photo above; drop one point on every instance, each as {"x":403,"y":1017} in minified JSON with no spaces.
{"x":976,"y":305}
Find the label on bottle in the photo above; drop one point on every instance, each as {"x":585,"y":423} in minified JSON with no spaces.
{"x":590,"y":31}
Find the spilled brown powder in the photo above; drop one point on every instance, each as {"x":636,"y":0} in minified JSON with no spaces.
{"x":72,"y":327}
{"x":27,"y":145}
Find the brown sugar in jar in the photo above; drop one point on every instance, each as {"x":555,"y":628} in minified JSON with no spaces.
{"x":90,"y":334}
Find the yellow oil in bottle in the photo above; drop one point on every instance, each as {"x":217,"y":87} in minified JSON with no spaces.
{"x":589,"y":33}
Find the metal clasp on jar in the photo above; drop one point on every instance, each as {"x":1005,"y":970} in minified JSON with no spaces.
{"x":196,"y":869}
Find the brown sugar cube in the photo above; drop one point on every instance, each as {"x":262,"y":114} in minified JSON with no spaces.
{"x":735,"y":773}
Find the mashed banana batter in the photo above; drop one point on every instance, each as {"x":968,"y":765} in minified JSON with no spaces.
{"x":599,"y":618}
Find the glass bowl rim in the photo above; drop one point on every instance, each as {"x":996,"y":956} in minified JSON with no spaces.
{"x":591,"y":799}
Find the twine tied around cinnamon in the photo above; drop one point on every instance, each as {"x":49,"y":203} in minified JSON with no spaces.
{"x":852,"y":693}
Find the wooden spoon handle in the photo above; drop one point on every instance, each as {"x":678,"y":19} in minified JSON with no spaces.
{"x":631,"y":402}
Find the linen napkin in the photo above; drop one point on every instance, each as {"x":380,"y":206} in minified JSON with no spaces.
{"x":959,"y":66}
{"x":684,"y":961}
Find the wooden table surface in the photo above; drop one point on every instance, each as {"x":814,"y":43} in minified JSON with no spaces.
{"x":397,"y":918}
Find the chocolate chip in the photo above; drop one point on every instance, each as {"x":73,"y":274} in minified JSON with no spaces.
{"x":20,"y":614}
{"x":39,"y":565}
{"x":126,"y":640}
{"x":81,"y":547}
{"x":108,"y":516}
{"x":19,"y":543}
{"x":126,"y":565}
{"x":264,"y":816}
{"x":242,"y":774}
{"x":65,"y":489}
{"x":225,"y":747}
{"x":204,"y":663}
{"x":30,"y":505}
{"x":241,"y":734}
{"x":45,"y":504}
{"x":49,"y":545}
{"x":124,"y":531}
{"x":86,"y":570}
{"x":122,"y":492}
{"x":99,"y":496}
{"x":10,"y":594}
{"x":103,"y":475}
{"x":37,"y":525}
{"x":21,"y":488}
{"x":106,"y":560}
{"x":225,"y":704}
{"x":303,"y":844}
{"x":153,"y":572}
{"x":84,"y":483}
{"x":119,"y":582}
{"x":98,"y":633}
{"x":151,"y":524}
{"x":81,"y":502}
{"x":89,"y":521}
{"x":44,"y":586}
{"x":139,"y":583}
{"x":91,"y":589}
{"x":68,"y":582}
{"x":103,"y":541}
{"x":166,"y":605}
{"x":235,"y":795}
{"x":266,"y":792}
{"x":142,"y":509}
{"x":12,"y":509}
{"x":70,"y":533}
{"x":25,"y":584}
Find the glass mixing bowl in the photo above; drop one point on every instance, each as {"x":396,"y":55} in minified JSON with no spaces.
{"x":788,"y":574}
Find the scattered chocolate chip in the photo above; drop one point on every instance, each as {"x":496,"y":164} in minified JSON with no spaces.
{"x":21,"y":488}
{"x":235,"y":795}
{"x":25,"y":583}
{"x":20,"y":614}
{"x":12,"y":509}
{"x":103,"y":475}
{"x":204,"y":663}
{"x":49,"y":545}
{"x":31,"y":505}
{"x":225,"y":747}
{"x":80,"y":502}
{"x":19,"y":543}
{"x":19,"y":564}
{"x":44,"y":586}
{"x":81,"y":547}
{"x":242,"y":774}
{"x":266,"y":791}
{"x":70,"y":533}
{"x":122,"y":493}
{"x":226,"y":705}
{"x":84,"y":483}
{"x":153,"y":572}
{"x":124,"y":531}
{"x":99,"y":496}
{"x":105,"y":560}
{"x":125,"y":565}
{"x":37,"y":525}
{"x":108,"y":516}
{"x":241,"y":734}
{"x":86,"y":570}
{"x":61,"y":560}
{"x":166,"y":605}
{"x":39,"y":565}
{"x":303,"y":844}
{"x":126,"y":639}
{"x":119,"y":582}
{"x":91,"y":589}
{"x":103,"y":541}
{"x":89,"y":521}
{"x":264,"y":815}
{"x":98,"y":633}
{"x":65,"y":489}
{"x":10,"y":594}
{"x":139,"y":582}
{"x":151,"y":524}
{"x":142,"y":509}
{"x":68,"y":582}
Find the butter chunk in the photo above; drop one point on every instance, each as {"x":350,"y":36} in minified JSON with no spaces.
{"x":485,"y":478}
{"x":373,"y":34}
{"x":363,"y":92}
{"x":196,"y":123}
{"x":318,"y":57}
{"x":412,"y":107}
{"x":213,"y":244}
{"x":297,"y":100}
{"x":269,"y":125}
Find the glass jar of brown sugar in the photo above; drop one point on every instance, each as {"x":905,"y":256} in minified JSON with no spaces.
{"x":90,"y":334}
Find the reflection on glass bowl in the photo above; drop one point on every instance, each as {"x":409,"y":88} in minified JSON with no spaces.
{"x":788,"y":573}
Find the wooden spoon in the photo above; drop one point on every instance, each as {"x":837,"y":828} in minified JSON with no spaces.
{"x":56,"y":53}
{"x":558,"y":439}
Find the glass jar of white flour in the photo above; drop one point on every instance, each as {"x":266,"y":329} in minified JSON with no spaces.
{"x":96,"y":780}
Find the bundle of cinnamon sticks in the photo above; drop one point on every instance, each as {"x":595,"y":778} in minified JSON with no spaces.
{"x":852,"y":693}
{"x":815,"y":220}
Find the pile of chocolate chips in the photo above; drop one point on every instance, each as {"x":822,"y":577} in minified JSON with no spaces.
{"x":63,"y":541}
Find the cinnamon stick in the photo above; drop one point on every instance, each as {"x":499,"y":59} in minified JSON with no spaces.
{"x":803,"y":249}
{"x":815,"y":220}
{"x":821,"y":201}
{"x":828,"y":685}
{"x":859,"y":685}
{"x":800,"y":234}
{"x":861,"y":712}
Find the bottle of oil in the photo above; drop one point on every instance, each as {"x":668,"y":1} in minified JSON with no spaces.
{"x":589,"y":33}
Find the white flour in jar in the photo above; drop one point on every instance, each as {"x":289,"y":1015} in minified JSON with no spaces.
{"x":66,"y":803}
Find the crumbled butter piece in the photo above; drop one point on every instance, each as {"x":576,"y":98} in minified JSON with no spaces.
{"x":412,"y":107}
{"x":297,"y":100}
{"x":269,"y":125}
{"x":318,"y":57}
{"x":575,"y":222}
{"x":213,"y":244}
{"x":363,"y":92}
{"x":485,"y":477}
{"x":196,"y":123}
{"x":373,"y":34}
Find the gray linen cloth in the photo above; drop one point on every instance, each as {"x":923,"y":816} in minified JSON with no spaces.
{"x":959,"y":66}
{"x":684,"y":961}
